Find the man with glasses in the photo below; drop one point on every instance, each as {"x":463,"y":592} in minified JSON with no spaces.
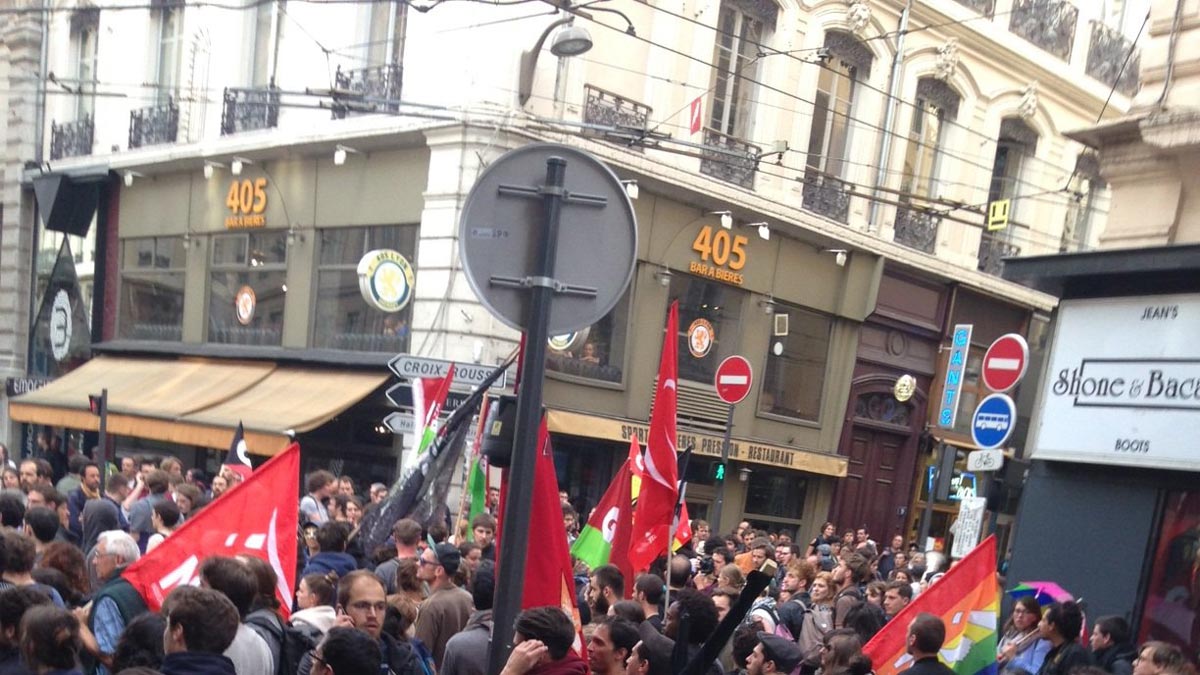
{"x":116,"y":603}
{"x":448,"y":608}
{"x":346,"y":651}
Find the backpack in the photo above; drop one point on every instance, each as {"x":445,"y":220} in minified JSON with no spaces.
{"x":294,"y":640}
{"x":767,"y":606}
{"x":852,"y":592}
{"x":817,"y":623}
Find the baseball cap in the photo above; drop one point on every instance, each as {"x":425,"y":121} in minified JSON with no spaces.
{"x":448,"y":557}
{"x":785,"y":653}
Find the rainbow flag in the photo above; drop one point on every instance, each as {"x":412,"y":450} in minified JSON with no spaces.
{"x":968,"y":600}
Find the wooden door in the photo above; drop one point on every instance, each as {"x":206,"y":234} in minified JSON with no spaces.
{"x":878,"y":482}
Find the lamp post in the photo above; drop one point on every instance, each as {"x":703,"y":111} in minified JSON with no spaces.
{"x":571,"y":41}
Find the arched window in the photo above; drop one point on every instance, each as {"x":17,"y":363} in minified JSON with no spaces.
{"x":742,"y":28}
{"x":936,"y":105}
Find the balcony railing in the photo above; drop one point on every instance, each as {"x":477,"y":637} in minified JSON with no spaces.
{"x":375,"y":89}
{"x":917,"y":228}
{"x":628,"y":119}
{"x":1049,"y":24}
{"x":72,"y":139}
{"x":729,"y":158}
{"x":827,"y":196}
{"x":154,"y":125}
{"x":249,"y":109}
{"x":993,"y":251}
{"x":984,"y":7}
{"x":1107,"y":54}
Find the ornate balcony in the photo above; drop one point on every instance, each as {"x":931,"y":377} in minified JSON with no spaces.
{"x":729,"y":158}
{"x":72,"y":139}
{"x":993,"y":251}
{"x":375,"y":89}
{"x":827,"y":196}
{"x":153,"y":125}
{"x":628,"y":119}
{"x":984,"y":7}
{"x":1049,"y":24}
{"x":249,"y":109}
{"x":1107,"y":53}
{"x":917,"y":228}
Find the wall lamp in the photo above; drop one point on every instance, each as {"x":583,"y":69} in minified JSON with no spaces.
{"x":130,"y":175}
{"x":339,"y":155}
{"x":631,"y":188}
{"x":840,"y":255}
{"x":294,"y":235}
{"x":570,"y":41}
{"x":764,"y":230}
{"x":210,"y":167}
{"x":235,"y":167}
{"x":664,"y":277}
{"x":726,"y":218}
{"x":768,"y":305}
{"x":744,"y":474}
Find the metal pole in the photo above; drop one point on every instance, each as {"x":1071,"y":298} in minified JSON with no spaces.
{"x":719,"y":502}
{"x":510,"y":582}
{"x":102,"y":444}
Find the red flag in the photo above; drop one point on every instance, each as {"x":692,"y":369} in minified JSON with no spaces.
{"x":236,"y":458}
{"x":696,"y":112}
{"x":549,"y":579}
{"x":257,"y":517}
{"x":660,"y":487}
{"x":605,"y":538}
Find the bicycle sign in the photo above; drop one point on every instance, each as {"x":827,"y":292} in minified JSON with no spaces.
{"x":985,"y":460}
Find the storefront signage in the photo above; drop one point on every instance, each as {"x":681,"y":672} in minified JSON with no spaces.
{"x":960,"y":345}
{"x":244,"y":303}
{"x":700,"y":338}
{"x":60,"y":326}
{"x":246,"y":202}
{"x":15,"y":386}
{"x":906,"y":386}
{"x":580,"y":424}
{"x":722,"y":255}
{"x":567,"y":341}
{"x":385,"y":279}
{"x":1123,"y":383}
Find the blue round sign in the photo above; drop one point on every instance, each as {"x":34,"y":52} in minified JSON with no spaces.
{"x":993,"y":421}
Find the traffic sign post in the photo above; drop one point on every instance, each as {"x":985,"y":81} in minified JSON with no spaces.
{"x":993,"y":421}
{"x":985,"y":460}
{"x":1005,"y":362}
{"x":732,"y":380}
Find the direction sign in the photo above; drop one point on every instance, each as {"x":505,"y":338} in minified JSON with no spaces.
{"x":400,"y":423}
{"x":400,"y":395}
{"x":985,"y":460}
{"x":1005,"y":362}
{"x":993,"y":421}
{"x":733,"y":379}
{"x":465,"y":374}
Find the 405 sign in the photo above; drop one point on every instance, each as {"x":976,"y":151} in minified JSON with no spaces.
{"x":247,"y":204}
{"x":722,"y":255}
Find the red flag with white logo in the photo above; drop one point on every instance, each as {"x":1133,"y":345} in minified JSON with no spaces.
{"x":257,"y":517}
{"x":696,"y":112}
{"x":660,"y":485}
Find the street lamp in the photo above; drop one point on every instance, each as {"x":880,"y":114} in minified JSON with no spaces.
{"x":570,"y":41}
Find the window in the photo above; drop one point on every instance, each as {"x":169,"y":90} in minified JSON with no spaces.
{"x":1089,"y":192}
{"x":774,"y":498}
{"x":84,"y":48}
{"x":596,"y":352}
{"x":719,"y":305}
{"x":343,"y":319}
{"x":169,"y":45}
{"x":936,"y":105}
{"x":267,"y":25}
{"x":385,"y":33}
{"x":740,"y":34}
{"x":830,"y":134}
{"x":152,"y":278}
{"x":1169,"y":611}
{"x":795,"y":374}
{"x":247,"y":287}
{"x":1016,"y":143}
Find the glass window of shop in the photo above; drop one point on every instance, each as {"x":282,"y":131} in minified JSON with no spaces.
{"x":1174,"y":589}
{"x":343,"y":319}
{"x":246,"y":288}
{"x":774,"y":498}
{"x":152,"y":275}
{"x":701,"y":300}
{"x":596,"y":352}
{"x":795,"y":374}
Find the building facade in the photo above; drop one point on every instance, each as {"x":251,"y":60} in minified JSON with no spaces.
{"x":815,"y":187}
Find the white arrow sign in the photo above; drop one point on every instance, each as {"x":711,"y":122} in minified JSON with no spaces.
{"x":400,"y":423}
{"x":466,"y":375}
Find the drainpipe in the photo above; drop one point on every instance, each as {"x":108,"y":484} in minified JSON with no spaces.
{"x":40,"y":99}
{"x":889,"y":115}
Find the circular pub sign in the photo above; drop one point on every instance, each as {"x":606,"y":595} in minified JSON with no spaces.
{"x":385,"y":279}
{"x":700,"y":338}
{"x":244,"y":302}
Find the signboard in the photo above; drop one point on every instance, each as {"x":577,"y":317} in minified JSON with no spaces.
{"x":960,"y":344}
{"x":15,"y":386}
{"x":246,"y":202}
{"x":1005,"y":362}
{"x":733,"y":379}
{"x":993,"y":421}
{"x":400,"y":423}
{"x":465,"y":374}
{"x":1123,"y":383}
{"x":385,"y":279}
{"x":700,"y":338}
{"x":400,"y":396}
{"x":60,"y":326}
{"x":985,"y":460}
{"x":722,"y":255}
{"x":969,"y":526}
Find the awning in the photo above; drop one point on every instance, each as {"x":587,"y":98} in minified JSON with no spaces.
{"x":706,"y":445}
{"x":198,"y":401}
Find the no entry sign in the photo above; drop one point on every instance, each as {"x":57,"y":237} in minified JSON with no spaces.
{"x":733,"y":379}
{"x":1005,"y":362}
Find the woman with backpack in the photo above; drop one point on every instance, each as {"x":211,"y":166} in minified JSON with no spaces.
{"x":817,"y":622}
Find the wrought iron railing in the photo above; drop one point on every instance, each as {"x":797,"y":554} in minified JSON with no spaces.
{"x":250,"y":109}
{"x":984,"y":7}
{"x":729,"y":158}
{"x":153,"y":125}
{"x":375,"y":89}
{"x":1110,"y":61}
{"x":627,"y":119}
{"x":917,"y":228}
{"x":826,"y":195}
{"x":1049,"y":24}
{"x":992,"y":252}
{"x":72,"y":139}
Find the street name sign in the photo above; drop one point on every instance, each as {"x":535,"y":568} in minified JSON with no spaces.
{"x":465,"y":374}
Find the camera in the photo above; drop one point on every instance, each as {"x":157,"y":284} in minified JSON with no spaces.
{"x":706,"y":566}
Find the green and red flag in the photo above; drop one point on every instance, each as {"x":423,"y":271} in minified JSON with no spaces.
{"x":429,"y":395}
{"x":967,"y":598}
{"x":605,"y":538}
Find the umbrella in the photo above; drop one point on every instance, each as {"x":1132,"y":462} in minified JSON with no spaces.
{"x":1045,"y":592}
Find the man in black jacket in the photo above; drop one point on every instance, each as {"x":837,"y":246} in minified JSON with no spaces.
{"x":1060,"y":625}
{"x":1111,"y":649}
{"x":926,"y":634}
{"x":201,"y":624}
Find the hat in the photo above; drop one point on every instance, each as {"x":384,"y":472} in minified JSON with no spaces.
{"x":448,"y":557}
{"x":785,"y":653}
{"x":659,"y":646}
{"x":824,"y":550}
